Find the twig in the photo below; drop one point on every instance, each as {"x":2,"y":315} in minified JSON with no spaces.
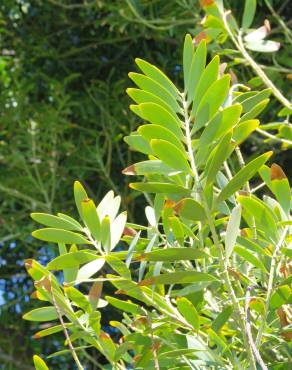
{"x":70,"y":345}
{"x":248,"y":329}
{"x":273,"y":137}
{"x":270,"y":285}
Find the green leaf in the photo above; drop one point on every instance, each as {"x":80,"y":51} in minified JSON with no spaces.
{"x":242,"y":176}
{"x":255,"y":111}
{"x":158,"y":76}
{"x":232,"y":230}
{"x":54,"y":221}
{"x":278,"y":183}
{"x":148,"y":167}
{"x":157,"y":115}
{"x":264,"y":217}
{"x":212,"y":100}
{"x":157,"y":187}
{"x":209,"y":76}
{"x":60,"y":236}
{"x":249,"y":257}
{"x":41,"y":314}
{"x":39,"y":363}
{"x":51,"y":330}
{"x":72,"y":259}
{"x":248,"y":13}
{"x":79,"y":195}
{"x":69,"y":273}
{"x":94,"y":321}
{"x":252,"y":101}
{"x":78,"y":298}
{"x":189,"y":312}
{"x":178,"y":277}
{"x":219,"y":154}
{"x":152,"y":86}
{"x":91,"y":218}
{"x":149,"y":132}
{"x":281,"y":296}
{"x":198,"y":62}
{"x":141,"y":96}
{"x":138,"y":143}
{"x":187,"y":57}
{"x":244,"y":129}
{"x":190,"y":209}
{"x":106,"y":234}
{"x":222,"y":122}
{"x":222,"y":318}
{"x":172,"y":255}
{"x":170,"y":155}
{"x":126,"y":306}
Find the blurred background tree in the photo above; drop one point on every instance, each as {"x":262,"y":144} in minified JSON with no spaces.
{"x":63,"y":115}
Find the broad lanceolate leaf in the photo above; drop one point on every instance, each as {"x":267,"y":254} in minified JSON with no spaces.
{"x":264,"y":217}
{"x":152,"y":86}
{"x":212,"y":100}
{"x":157,"y":187}
{"x":179,"y":277}
{"x":232,"y":230}
{"x":190,"y":209}
{"x":157,"y":75}
{"x":69,"y":273}
{"x":51,"y":330}
{"x":209,"y":76}
{"x":79,"y":195}
{"x":222,"y":122}
{"x":172,"y":255}
{"x":249,"y":257}
{"x":242,"y":176}
{"x":252,"y":101}
{"x":126,"y":306}
{"x":72,"y":259}
{"x":222,"y":318}
{"x":187,"y":57}
{"x":255,"y":111}
{"x":60,"y":236}
{"x":117,"y":228}
{"x":278,"y":183}
{"x":148,"y":167}
{"x":189,"y":312}
{"x":159,"y":116}
{"x":106,"y":234}
{"x":248,"y":13}
{"x":89,"y":269}
{"x":91,"y":218}
{"x":218,"y":156}
{"x":41,"y":314}
{"x":55,"y":221}
{"x":243,"y":130}
{"x":39,"y":363}
{"x":141,"y":96}
{"x":78,"y":298}
{"x":196,"y":69}
{"x":138,"y":143}
{"x":170,"y":155}
{"x":149,"y":132}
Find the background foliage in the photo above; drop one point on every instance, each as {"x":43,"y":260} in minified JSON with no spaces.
{"x":63,"y":68}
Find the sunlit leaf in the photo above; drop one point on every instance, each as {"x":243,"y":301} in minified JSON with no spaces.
{"x":60,"y":236}
{"x":48,"y":313}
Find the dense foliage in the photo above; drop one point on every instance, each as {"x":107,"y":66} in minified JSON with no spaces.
{"x":61,"y":91}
